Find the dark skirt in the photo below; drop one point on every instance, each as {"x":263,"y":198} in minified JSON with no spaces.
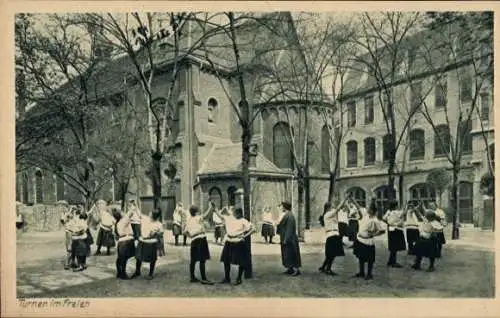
{"x":440,"y":238}
{"x":343,"y":229}
{"x":363,"y":252}
{"x":80,"y":248}
{"x":136,"y":228}
{"x":90,"y":238}
{"x":176,"y":230}
{"x":412,"y":236}
{"x":396,"y":240}
{"x":105,"y":238}
{"x":199,"y":250}
{"x":290,"y":255}
{"x":334,"y":247}
{"x":426,"y":247}
{"x":220,"y":231}
{"x":235,"y":254}
{"x":353,"y":230}
{"x":126,"y":249}
{"x":267,"y":230}
{"x":146,"y":252}
{"x":161,"y":246}
{"x":19,"y":225}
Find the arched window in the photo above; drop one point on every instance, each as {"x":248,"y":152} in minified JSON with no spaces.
{"x":441,"y":141}
{"x":39,"y":186}
{"x":231,"y":194}
{"x":386,"y":145}
{"x":60,"y":188}
{"x":466,"y":201}
{"x":422,"y":192}
{"x":325,"y":149}
{"x":382,"y":199}
{"x":352,"y":153}
{"x":212,"y":110}
{"x":466,"y":129}
{"x":370,"y":151}
{"x":282,"y":146}
{"x":25,"y":188}
{"x":358,"y":194}
{"x":215,"y":196}
{"x":417,"y":144}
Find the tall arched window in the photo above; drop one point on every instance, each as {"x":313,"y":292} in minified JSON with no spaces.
{"x":25,"y":186}
{"x":282,"y":146}
{"x":382,"y":199}
{"x":417,"y":144}
{"x":466,"y":129}
{"x":212,"y":110}
{"x":386,"y":145}
{"x":325,"y":149}
{"x":441,"y":141}
{"x":215,"y":196}
{"x":370,"y":151}
{"x":39,"y":186}
{"x":423,"y":192}
{"x":352,"y":153}
{"x":466,"y":201}
{"x":358,"y":194}
{"x":231,"y":194}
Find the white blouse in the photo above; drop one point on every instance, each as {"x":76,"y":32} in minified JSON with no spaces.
{"x":217,"y":220}
{"x":195,"y":227}
{"x":368,"y":228}
{"x":394,"y":219}
{"x":149,"y":229}
{"x":267,"y":218}
{"x":331,"y":223}
{"x":237,"y":229}
{"x":107,"y":221}
{"x":342,"y":216}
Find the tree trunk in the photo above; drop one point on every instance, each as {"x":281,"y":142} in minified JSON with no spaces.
{"x":156,"y":179}
{"x":401,"y":189}
{"x":455,"y":233}
{"x":307,"y":189}
{"x":300,"y":205}
{"x":123,"y":194}
{"x":390,"y":186}
{"x":331,"y":188}
{"x":246,"y":138}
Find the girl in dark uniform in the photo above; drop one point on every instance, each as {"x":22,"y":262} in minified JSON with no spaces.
{"x":147,"y":248}
{"x":195,"y":229}
{"x":395,"y":236}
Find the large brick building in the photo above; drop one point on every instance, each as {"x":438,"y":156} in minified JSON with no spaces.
{"x":364,"y":156}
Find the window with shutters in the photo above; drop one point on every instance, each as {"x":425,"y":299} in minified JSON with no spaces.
{"x":370,"y":151}
{"x":369,"y":112}
{"x":352,"y":153}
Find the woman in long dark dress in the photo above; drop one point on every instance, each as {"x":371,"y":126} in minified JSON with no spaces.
{"x":289,"y":241}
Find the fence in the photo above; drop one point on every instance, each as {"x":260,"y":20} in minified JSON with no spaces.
{"x":42,"y":218}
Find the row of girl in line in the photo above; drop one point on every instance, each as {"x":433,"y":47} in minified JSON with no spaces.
{"x":424,"y":234}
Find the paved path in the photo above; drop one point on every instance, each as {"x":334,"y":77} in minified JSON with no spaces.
{"x":40,"y":258}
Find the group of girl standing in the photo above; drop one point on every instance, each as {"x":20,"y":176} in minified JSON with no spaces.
{"x":424,"y":233}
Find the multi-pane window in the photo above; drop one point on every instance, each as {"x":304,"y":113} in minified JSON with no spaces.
{"x":369,"y":112}
{"x":358,"y":194}
{"x":369,"y":151}
{"x":351,"y":114}
{"x":422,"y":192}
{"x":387,"y":147}
{"x":466,"y":129}
{"x":417,"y":144}
{"x":282,"y":146}
{"x":485,"y":106}
{"x":441,"y":141}
{"x":325,"y":149}
{"x":466,"y":87}
{"x":352,"y":153}
{"x":382,"y":199}
{"x":416,"y":95}
{"x":441,"y":92}
{"x":231,"y":195}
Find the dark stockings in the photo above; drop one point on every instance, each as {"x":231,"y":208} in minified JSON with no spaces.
{"x":241,"y":269}
{"x":361,"y":273}
{"x":185,"y":239}
{"x":392,"y":258}
{"x":227,"y":272}
{"x":177,"y":240}
{"x":418,"y":263}
{"x":327,"y":264}
{"x":138,"y":265}
{"x":203,"y":273}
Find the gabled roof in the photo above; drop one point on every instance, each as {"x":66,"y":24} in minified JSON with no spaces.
{"x":227,"y":159}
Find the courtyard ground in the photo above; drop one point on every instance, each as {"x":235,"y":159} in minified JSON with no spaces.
{"x":466,"y":270}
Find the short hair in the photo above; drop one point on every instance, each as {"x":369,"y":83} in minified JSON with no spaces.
{"x":83,"y":216}
{"x":286,"y":205}
{"x":393,"y":205}
{"x":238,"y":213}
{"x":327,"y":207}
{"x":193,"y":210}
{"x":155,"y":215}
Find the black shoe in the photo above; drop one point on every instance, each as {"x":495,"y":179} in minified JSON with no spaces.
{"x":288,"y":272}
{"x":416,"y":267}
{"x":206,"y":282}
{"x":194,"y":280}
{"x":73,"y":265}
{"x":66,"y":267}
{"x":321,"y":269}
{"x":108,"y":253}
{"x":359,"y":275}
{"x":225,"y":281}
{"x":97,"y":253}
{"x":123,"y":276}
{"x":369,"y":277}
{"x":430,"y":269}
{"x":390,"y":264}
{"x":238,"y":282}
{"x":296,"y":273}
{"x":331,"y":273}
{"x":397,"y":265}
{"x":135,"y":275}
{"x":149,"y":277}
